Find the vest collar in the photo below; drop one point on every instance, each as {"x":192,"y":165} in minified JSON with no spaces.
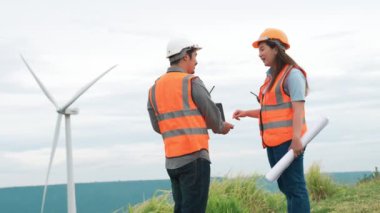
{"x":175,"y":69}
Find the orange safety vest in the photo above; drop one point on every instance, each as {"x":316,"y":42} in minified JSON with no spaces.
{"x":276,"y":113}
{"x":182,"y":126}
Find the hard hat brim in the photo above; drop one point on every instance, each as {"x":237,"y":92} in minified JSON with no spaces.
{"x":196,"y":47}
{"x":257,"y":43}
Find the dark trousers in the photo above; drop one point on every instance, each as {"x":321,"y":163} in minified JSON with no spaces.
{"x":190,"y":186}
{"x":292,"y":181}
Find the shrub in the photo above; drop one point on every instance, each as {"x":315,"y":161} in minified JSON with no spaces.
{"x":320,"y":186}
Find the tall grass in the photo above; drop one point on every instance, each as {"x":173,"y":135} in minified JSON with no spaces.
{"x":228,"y":195}
{"x":242,"y":195}
{"x":320,"y":186}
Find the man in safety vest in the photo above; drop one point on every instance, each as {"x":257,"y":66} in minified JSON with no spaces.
{"x":181,"y":110}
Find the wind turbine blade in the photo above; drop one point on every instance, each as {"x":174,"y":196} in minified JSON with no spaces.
{"x":50,"y":97}
{"x":52,"y":153}
{"x":84,"y":89}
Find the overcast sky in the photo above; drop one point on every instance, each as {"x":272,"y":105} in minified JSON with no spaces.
{"x":69,"y":43}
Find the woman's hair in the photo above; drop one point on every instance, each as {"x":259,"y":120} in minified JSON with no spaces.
{"x":281,"y":60}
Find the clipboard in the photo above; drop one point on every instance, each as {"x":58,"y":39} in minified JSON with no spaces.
{"x":219,"y":105}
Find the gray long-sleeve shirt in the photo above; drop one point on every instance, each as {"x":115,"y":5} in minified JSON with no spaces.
{"x":207,"y":108}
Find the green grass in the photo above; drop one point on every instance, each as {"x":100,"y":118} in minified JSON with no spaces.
{"x":227,"y":195}
{"x":364,"y":197}
{"x":159,"y":203}
{"x":319,"y":186}
{"x":242,"y":195}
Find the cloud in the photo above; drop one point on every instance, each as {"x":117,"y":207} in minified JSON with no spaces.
{"x":334,"y":35}
{"x":68,"y":46}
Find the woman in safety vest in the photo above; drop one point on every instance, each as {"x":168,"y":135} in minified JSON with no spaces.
{"x":282,"y":114}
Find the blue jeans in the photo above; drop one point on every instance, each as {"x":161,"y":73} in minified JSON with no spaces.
{"x":190,"y":186}
{"x":292,"y":181}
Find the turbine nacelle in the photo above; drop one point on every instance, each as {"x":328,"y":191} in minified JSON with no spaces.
{"x":69,"y":111}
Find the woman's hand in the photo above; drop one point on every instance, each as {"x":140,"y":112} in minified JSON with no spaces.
{"x":298,"y":112}
{"x":296,"y":145}
{"x":254,"y":113}
{"x":239,"y":114}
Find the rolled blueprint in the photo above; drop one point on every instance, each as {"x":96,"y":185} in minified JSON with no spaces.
{"x":288,"y":158}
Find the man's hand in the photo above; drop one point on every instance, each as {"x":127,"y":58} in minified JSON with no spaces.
{"x":226,"y":127}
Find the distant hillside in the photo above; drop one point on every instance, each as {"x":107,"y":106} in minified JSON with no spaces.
{"x":91,"y":197}
{"x":348,"y":178}
{"x":108,"y":196}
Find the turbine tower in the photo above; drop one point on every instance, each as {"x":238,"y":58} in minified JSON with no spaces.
{"x":67,"y":112}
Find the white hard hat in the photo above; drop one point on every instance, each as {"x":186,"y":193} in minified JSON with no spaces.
{"x":176,"y":45}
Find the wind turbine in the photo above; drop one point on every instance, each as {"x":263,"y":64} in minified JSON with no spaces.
{"x":67,"y":112}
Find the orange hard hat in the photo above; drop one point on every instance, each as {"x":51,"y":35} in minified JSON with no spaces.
{"x":272,"y":33}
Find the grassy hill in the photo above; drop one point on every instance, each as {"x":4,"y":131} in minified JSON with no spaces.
{"x":241,"y":194}
{"x":363,"y":197}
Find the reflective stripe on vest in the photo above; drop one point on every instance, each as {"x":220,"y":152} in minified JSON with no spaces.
{"x":276,"y":107}
{"x":276,"y":114}
{"x":182,"y":126}
{"x":177,"y":114}
{"x":278,"y":124}
{"x":177,"y":132}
